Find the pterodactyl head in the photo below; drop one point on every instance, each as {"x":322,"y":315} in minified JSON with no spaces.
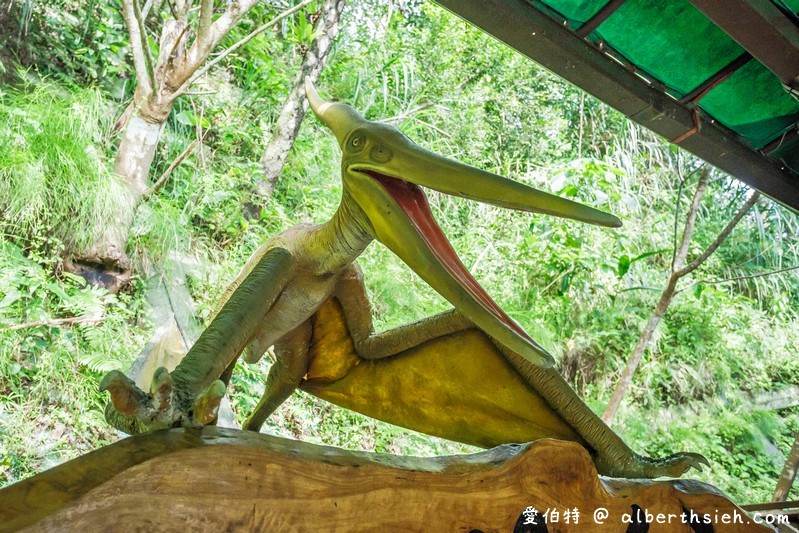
{"x":382,"y":170}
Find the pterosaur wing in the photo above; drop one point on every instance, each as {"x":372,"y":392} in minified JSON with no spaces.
{"x":459,"y":386}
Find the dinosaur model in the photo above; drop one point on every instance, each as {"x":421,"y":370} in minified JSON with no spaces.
{"x":470,"y":374}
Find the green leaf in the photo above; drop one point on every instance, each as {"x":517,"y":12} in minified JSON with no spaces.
{"x":185,"y":118}
{"x":56,"y":289}
{"x":648,"y":254}
{"x":697,"y":290}
{"x":624,"y":265}
{"x":570,"y":191}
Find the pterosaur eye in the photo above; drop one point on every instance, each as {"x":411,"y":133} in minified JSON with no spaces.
{"x":356,"y":143}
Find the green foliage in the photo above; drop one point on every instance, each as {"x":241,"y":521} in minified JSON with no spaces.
{"x":74,"y":42}
{"x":55,"y":187}
{"x":51,"y":408}
{"x":738,"y":441}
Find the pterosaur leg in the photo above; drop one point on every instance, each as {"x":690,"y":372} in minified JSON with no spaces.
{"x":613,"y":457}
{"x":291,"y":363}
{"x":357,"y":308}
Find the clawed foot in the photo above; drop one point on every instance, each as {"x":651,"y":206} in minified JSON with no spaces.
{"x":134,"y":411}
{"x":638,"y":466}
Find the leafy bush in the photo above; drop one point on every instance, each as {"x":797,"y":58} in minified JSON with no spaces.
{"x":51,"y":408}
{"x":56,"y":190}
{"x":72,"y":41}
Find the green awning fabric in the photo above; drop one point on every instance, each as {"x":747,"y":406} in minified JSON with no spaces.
{"x":671,"y":42}
{"x":577,"y":11}
{"x":758,"y":119}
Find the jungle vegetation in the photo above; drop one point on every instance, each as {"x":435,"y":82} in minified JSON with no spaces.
{"x":719,"y":376}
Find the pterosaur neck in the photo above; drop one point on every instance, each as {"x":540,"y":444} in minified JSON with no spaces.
{"x":340,"y":240}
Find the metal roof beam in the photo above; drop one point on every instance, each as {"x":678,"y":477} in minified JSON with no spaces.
{"x":601,"y":16}
{"x":762,"y":30}
{"x":553,"y":46}
{"x":716,"y":79}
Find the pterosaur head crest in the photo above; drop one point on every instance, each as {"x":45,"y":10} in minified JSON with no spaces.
{"x":340,"y":118}
{"x":383,"y":170}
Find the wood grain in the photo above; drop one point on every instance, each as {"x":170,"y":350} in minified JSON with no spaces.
{"x":219,"y":479}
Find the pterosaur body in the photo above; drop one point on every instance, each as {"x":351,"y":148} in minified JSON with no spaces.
{"x":471,"y":374}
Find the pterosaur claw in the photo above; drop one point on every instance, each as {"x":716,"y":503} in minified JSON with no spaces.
{"x":135,"y":411}
{"x":206,"y":407}
{"x":694,"y":460}
{"x":128,"y":399}
{"x":162,"y":390}
{"x":637,"y":466}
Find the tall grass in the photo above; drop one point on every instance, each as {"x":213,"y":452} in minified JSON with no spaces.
{"x":56,"y":189}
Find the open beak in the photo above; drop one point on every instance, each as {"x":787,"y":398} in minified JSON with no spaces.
{"x":385,"y":183}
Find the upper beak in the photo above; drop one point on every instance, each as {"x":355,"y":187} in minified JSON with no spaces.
{"x":416,"y":165}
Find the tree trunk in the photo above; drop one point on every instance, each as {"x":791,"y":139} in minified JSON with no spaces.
{"x":215,"y":479}
{"x":680,"y":267}
{"x":677,"y":271}
{"x":159,"y":82}
{"x":290,"y":119}
{"x":136,"y":153}
{"x":788,"y":473}
{"x":639,"y":350}
{"x":106,"y":263}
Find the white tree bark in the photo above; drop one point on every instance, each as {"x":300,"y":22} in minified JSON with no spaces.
{"x":290,"y":119}
{"x":158,"y":84}
{"x":136,"y":153}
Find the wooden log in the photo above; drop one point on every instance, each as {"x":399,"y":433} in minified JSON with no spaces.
{"x":216,"y":479}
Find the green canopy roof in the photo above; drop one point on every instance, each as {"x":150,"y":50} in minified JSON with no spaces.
{"x":717,"y":77}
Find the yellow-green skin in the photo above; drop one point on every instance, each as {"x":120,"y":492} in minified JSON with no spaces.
{"x":468,"y":375}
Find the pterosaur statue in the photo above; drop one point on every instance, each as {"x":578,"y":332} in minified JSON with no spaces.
{"x":471,"y":374}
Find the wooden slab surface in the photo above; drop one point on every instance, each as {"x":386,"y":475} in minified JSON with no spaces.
{"x":215,"y":479}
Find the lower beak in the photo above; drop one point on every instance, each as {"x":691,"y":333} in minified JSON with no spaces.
{"x":412,"y":233}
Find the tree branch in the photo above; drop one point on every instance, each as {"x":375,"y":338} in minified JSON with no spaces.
{"x":739,"y":278}
{"x":222,"y":55}
{"x":172,"y":36}
{"x":204,"y":26}
{"x":676,"y":224}
{"x":145,"y":43}
{"x":145,"y":11}
{"x":58,"y":322}
{"x":690,"y":221}
{"x":165,"y":176}
{"x":200,"y":50}
{"x":641,"y":288}
{"x":142,"y":63}
{"x":231,"y":17}
{"x":721,"y":237}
